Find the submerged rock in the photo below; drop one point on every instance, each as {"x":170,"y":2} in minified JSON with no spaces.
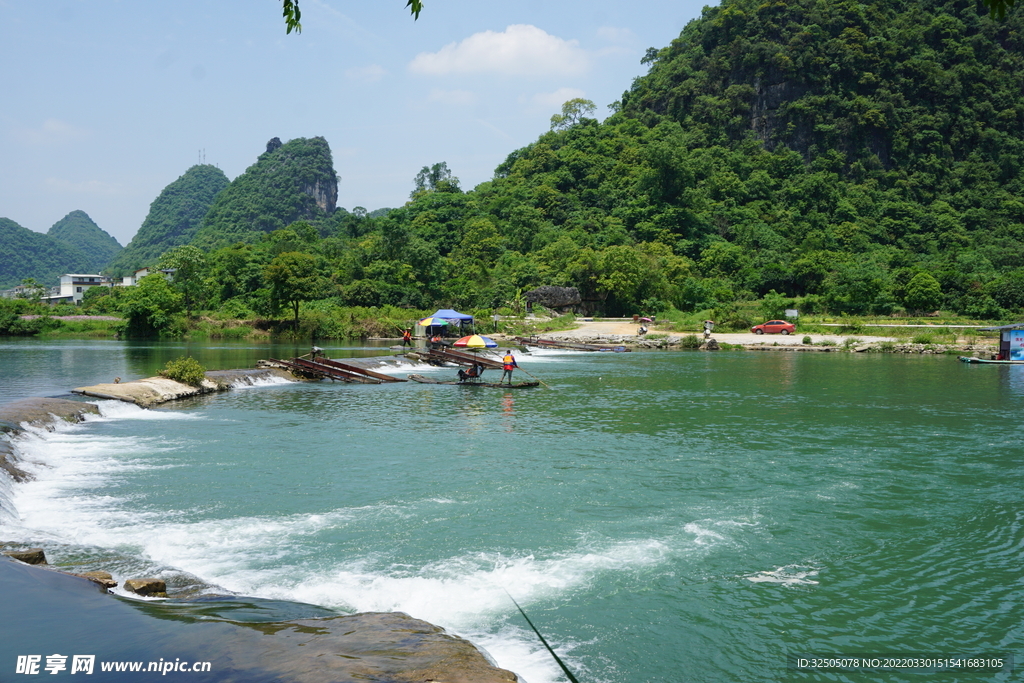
{"x":104,"y":579}
{"x":30,"y":556}
{"x":152,"y":588}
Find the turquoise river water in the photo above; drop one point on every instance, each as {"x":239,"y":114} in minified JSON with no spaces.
{"x":660,"y":516}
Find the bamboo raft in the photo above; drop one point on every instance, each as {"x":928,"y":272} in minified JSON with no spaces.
{"x":335,"y":370}
{"x":539,"y":343}
{"x":469,"y":383}
{"x":968,"y":359}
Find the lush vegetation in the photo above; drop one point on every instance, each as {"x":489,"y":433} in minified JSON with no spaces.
{"x":79,"y":231}
{"x":184,"y":369}
{"x":847,"y":159}
{"x":291,"y":181}
{"x":25,"y":254}
{"x":173,"y":219}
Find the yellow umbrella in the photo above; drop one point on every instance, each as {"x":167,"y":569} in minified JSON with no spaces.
{"x":476,"y":341}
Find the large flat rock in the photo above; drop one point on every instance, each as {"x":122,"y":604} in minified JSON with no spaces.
{"x":55,"y":612}
{"x":42,"y":412}
{"x":152,"y":391}
{"x":147,"y":392}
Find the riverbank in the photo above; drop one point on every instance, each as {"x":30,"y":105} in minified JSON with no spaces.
{"x":621,"y":332}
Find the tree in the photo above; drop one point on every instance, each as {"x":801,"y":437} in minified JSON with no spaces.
{"x":149,"y":307}
{"x":436,"y":178}
{"x":31,"y":290}
{"x":924,"y":293}
{"x":573,"y":112}
{"x":773,"y":305}
{"x":292,"y":14}
{"x":295,"y":277}
{"x":189,"y":279}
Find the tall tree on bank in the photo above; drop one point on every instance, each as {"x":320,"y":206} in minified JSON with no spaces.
{"x":295,"y":277}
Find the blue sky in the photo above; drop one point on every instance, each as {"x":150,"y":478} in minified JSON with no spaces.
{"x":105,"y":102}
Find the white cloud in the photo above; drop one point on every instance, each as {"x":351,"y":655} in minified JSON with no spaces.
{"x":51,"y":132}
{"x":555,"y":100}
{"x":521,"y":50}
{"x":614,"y":34}
{"x":459,"y":98}
{"x":366,"y":74}
{"x":93,"y":187}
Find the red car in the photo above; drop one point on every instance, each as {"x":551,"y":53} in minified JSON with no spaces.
{"x":774,"y":327}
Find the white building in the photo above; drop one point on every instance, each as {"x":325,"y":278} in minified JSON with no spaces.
{"x":73,"y":287}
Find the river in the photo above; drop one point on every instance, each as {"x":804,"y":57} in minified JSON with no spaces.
{"x":660,"y":516}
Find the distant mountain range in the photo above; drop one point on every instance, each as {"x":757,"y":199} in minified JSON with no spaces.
{"x":289,"y":181}
{"x":75,"y":244}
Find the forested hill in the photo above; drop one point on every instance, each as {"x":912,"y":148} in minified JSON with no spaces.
{"x":79,"y":231}
{"x":289,"y":182}
{"x":859,"y":157}
{"x":173,"y":218}
{"x":25,"y":254}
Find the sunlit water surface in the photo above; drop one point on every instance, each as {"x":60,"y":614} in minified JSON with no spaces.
{"x":679,"y":516}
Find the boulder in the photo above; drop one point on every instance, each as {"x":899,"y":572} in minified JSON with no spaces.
{"x":30,"y":556}
{"x":151,"y":588}
{"x":42,"y":412}
{"x":711,"y":345}
{"x":7,"y":460}
{"x":102,"y":578}
{"x":554,"y":297}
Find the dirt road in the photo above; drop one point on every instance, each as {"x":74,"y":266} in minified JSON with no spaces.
{"x":616,"y":328}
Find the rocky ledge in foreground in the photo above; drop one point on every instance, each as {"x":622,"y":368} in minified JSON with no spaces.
{"x":152,"y":391}
{"x":58,"y":612}
{"x":39,"y":412}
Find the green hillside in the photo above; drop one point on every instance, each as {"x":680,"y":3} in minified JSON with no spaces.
{"x":289,"y":182}
{"x":173,"y":218}
{"x":846,"y":158}
{"x":79,"y":231}
{"x":831,"y":151}
{"x":25,"y":253}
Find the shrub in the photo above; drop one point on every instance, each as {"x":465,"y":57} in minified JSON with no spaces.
{"x":690,"y":341}
{"x":850,"y":341}
{"x":827,"y":342}
{"x":184,"y":369}
{"x":923,"y":338}
{"x":807,"y":340}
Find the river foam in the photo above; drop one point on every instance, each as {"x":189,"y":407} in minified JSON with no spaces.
{"x":74,"y":501}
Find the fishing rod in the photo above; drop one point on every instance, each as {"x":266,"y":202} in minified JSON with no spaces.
{"x":568,"y":673}
{"x":548,"y":386}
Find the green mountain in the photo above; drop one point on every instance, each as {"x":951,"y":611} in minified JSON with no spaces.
{"x":833,"y":150}
{"x":858,"y":157}
{"x":25,"y":253}
{"x":173,"y":218}
{"x":291,"y":181}
{"x":79,"y":231}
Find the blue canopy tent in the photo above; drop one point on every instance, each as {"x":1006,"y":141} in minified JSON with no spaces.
{"x":457,"y":322}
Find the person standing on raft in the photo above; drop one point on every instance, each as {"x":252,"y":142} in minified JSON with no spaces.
{"x":508,"y":365}
{"x":407,"y":337}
